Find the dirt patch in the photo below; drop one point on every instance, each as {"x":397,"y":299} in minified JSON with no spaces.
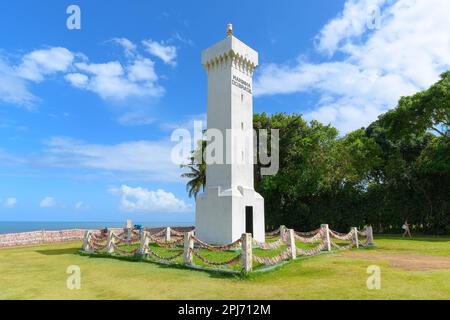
{"x":411,"y":262}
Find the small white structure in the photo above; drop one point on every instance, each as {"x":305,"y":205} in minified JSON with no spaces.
{"x":230,"y":206}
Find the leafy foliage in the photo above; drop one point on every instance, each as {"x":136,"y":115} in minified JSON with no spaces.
{"x":426,"y":110}
{"x":398,"y":168}
{"x":197,"y":171}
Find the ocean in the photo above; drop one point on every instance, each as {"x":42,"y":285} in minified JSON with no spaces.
{"x":25,"y":226}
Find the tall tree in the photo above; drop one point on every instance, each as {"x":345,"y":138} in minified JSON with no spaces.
{"x":423,"y":111}
{"x":197,"y":171}
{"x":396,"y":169}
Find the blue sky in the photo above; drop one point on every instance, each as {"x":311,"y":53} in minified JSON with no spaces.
{"x":86,"y":115}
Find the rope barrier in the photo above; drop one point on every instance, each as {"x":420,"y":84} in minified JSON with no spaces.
{"x":205,"y":245}
{"x":314,"y":251}
{"x":98,"y":238}
{"x":120,"y":234}
{"x":268,"y":246}
{"x":212,"y":263}
{"x":176,"y":233}
{"x":362,"y":233}
{"x":164,"y":244}
{"x":99,"y":248}
{"x":121,"y":239}
{"x":270,"y":261}
{"x":125,"y":252}
{"x":342,"y":236}
{"x":341,"y":233}
{"x":158,"y":234}
{"x":365,"y":243}
{"x":309,"y":233}
{"x":156,"y":255}
{"x":273,"y":233}
{"x":318,"y":236}
{"x":97,"y":242}
{"x":340,"y":248}
{"x":101,"y":243}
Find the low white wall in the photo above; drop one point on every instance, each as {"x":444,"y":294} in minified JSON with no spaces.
{"x":41,"y":237}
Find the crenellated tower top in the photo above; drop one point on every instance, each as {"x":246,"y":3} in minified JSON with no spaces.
{"x":231,"y":50}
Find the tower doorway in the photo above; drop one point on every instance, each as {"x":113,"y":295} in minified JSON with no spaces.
{"x":249,"y":220}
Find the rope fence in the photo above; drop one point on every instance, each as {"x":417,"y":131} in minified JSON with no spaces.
{"x":314,"y":251}
{"x":148,"y":250}
{"x":215,"y":263}
{"x":227,"y":247}
{"x":311,"y":238}
{"x":270,"y":261}
{"x":268,"y":246}
{"x":182,"y":247}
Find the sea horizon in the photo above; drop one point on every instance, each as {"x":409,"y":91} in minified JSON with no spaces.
{"x":27,"y":226}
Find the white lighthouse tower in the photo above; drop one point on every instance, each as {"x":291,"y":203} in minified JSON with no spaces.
{"x":230,"y":206}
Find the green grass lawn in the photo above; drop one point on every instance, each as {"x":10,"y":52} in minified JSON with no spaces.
{"x":40,"y":273}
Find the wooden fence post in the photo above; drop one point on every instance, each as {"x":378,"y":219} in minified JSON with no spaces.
{"x":86,"y":240}
{"x":128,"y":230}
{"x":283,"y":232}
{"x":144,"y":242}
{"x":168,"y":234}
{"x":247,"y":252}
{"x":188,"y":248}
{"x":326,"y":230}
{"x":369,"y":234}
{"x":355,"y":230}
{"x":291,"y":243}
{"x":110,"y":246}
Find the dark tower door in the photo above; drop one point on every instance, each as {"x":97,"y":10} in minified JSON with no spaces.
{"x":249,"y":220}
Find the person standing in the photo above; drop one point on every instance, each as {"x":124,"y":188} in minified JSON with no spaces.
{"x":407,"y":230}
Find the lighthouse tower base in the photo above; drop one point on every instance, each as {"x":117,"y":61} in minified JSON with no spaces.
{"x":222,"y":216}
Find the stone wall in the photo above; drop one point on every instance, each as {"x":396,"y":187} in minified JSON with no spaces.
{"x":42,"y":237}
{"x":39,"y":237}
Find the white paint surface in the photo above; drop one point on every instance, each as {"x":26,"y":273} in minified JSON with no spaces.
{"x":220,"y":212}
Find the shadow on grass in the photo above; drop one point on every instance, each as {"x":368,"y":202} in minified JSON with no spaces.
{"x":176,"y":266}
{"x":58,"y":252}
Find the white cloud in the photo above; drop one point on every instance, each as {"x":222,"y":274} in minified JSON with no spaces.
{"x":9,"y":202}
{"x":39,"y":63}
{"x":128,"y":46}
{"x":77,"y":79}
{"x":144,"y":200}
{"x":111,"y":81}
{"x":150,"y":160}
{"x":406,"y":54}
{"x":166,"y":53}
{"x":47,"y":202}
{"x":143,"y":160}
{"x":13,"y":89}
{"x":80,"y":205}
{"x":142,"y":70}
{"x":354,"y":20}
{"x":133,"y":78}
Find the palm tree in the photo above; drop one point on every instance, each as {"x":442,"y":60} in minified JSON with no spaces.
{"x":197,"y":172}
